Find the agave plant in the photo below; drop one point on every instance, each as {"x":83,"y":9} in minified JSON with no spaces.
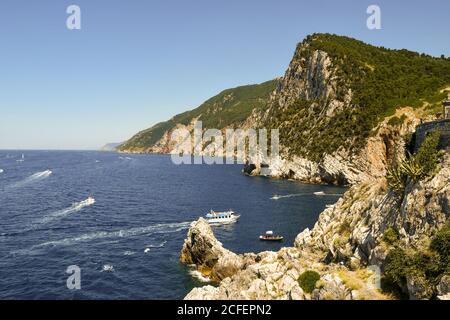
{"x":396,"y":179}
{"x":411,"y":167}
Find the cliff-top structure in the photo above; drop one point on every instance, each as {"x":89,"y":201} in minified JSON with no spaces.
{"x":441,"y":125}
{"x":446,"y":107}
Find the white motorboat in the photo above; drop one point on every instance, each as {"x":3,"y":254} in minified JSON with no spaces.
{"x":89,"y":201}
{"x":222,"y":217}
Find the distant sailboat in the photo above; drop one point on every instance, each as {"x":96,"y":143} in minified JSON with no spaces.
{"x":22,"y":159}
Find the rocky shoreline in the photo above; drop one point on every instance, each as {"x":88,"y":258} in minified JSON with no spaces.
{"x":346,"y":247}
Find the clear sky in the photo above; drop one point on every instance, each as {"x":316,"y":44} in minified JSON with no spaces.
{"x":138,"y":62}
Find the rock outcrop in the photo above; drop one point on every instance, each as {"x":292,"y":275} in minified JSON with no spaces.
{"x":203,"y":250}
{"x":351,"y":231}
{"x":269,"y":275}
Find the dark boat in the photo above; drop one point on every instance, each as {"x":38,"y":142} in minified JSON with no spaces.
{"x":269,"y":236}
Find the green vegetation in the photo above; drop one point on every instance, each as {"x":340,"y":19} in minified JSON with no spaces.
{"x":416,"y":167}
{"x":396,"y":121}
{"x":380,"y":80}
{"x":307,"y":280}
{"x":391,"y":236}
{"x":426,"y":267}
{"x":229,"y":108}
{"x":427,"y":156}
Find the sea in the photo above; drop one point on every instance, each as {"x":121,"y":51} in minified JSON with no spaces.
{"x":127,"y":244}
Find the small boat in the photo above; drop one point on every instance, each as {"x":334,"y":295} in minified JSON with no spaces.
{"x":22,"y":159}
{"x":1,"y":171}
{"x":89,"y":201}
{"x":319,"y":193}
{"x":221,"y":217}
{"x":269,"y":236}
{"x":275,"y":197}
{"x":108,"y":268}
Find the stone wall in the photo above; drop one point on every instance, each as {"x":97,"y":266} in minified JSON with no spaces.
{"x":443,"y":126}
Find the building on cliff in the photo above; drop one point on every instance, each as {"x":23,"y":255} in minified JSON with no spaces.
{"x":446,"y":107}
{"x":442,"y":125}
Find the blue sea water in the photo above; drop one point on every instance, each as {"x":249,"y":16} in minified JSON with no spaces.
{"x":144,"y":205}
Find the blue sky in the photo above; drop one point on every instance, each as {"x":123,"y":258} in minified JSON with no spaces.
{"x":135,"y":63}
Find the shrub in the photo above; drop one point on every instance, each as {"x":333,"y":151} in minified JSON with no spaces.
{"x":307,"y":280}
{"x":396,"y":266}
{"x":391,"y":236}
{"x":428,"y":265}
{"x":441,"y":243}
{"x":427,"y":156}
{"x":396,"y":121}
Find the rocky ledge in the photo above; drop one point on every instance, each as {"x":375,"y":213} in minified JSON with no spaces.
{"x":268,"y":275}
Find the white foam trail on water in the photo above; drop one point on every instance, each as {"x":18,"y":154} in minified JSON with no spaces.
{"x":156,"y":228}
{"x":148,"y":247}
{"x":276,"y":197}
{"x":161,"y":245}
{"x":1,"y":171}
{"x":65,"y":212}
{"x":38,"y":176}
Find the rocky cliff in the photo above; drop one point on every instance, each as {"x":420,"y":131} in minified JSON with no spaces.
{"x":335,"y":108}
{"x":363,"y":232}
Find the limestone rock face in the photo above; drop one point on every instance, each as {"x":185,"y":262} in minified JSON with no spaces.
{"x":354,"y":226}
{"x":203,"y":250}
{"x":207,"y":253}
{"x":266,"y":275}
{"x":342,"y":167}
{"x":443,"y":288}
{"x":333,"y":289}
{"x":417,"y":287}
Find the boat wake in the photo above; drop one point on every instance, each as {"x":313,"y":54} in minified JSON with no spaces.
{"x":150,"y":246}
{"x":277,"y":197}
{"x":161,"y":245}
{"x":67,"y":211}
{"x":126,"y":233}
{"x":38,"y":176}
{"x":317,"y":193}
